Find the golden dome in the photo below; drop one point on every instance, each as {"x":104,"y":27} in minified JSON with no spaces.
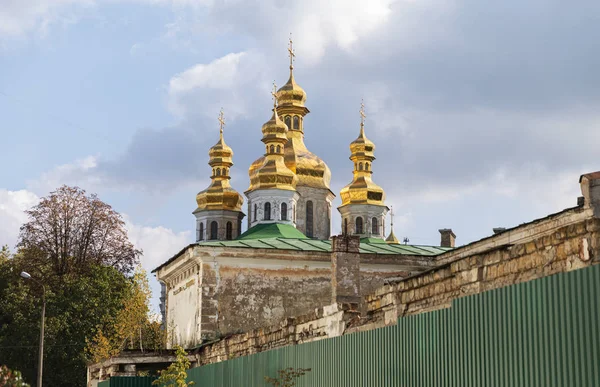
{"x":291,"y":94}
{"x":220,"y":195}
{"x":362,"y":190}
{"x":270,"y":171}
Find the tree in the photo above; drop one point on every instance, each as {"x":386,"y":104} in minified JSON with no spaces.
{"x":75,"y":305}
{"x":287,"y":377}
{"x":10,"y":378}
{"x":70,"y":232}
{"x":176,"y":374}
{"x":132,"y":328}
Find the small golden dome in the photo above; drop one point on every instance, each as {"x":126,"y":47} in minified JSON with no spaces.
{"x":362,"y":190}
{"x":291,"y":94}
{"x":220,"y":195}
{"x":271,"y":171}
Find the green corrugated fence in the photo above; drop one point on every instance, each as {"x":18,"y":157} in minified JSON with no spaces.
{"x":128,"y":381}
{"x":540,"y":333}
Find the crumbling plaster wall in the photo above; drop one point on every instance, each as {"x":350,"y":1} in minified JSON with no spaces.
{"x":560,"y":243}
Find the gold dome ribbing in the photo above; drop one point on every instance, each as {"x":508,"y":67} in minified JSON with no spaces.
{"x":271,"y":171}
{"x":362,"y":190}
{"x":220,"y":195}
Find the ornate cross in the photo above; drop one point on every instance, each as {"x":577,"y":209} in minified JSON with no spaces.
{"x":221,"y":121}
{"x":291,"y":52}
{"x":362,"y":113}
{"x":274,"y":94}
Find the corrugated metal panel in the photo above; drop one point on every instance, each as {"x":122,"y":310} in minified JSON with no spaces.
{"x":540,"y":333}
{"x":128,"y":381}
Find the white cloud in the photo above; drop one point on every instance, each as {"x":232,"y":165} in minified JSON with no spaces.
{"x":12,"y":215}
{"x":232,"y":81}
{"x":79,"y":173}
{"x":18,"y":17}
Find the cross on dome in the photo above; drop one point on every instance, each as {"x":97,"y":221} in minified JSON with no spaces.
{"x":362,"y":113}
{"x":292,"y":54}
{"x":274,"y":94}
{"x":221,"y":121}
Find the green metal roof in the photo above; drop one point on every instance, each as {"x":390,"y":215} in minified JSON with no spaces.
{"x":272,"y":230}
{"x":287,"y":237}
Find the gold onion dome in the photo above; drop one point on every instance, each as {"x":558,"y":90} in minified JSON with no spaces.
{"x":220,"y":195}
{"x":362,"y":190}
{"x":270,"y":171}
{"x":308,"y":167}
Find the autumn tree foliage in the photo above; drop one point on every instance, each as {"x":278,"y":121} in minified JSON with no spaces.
{"x":133,"y":327}
{"x":176,"y":374}
{"x":70,"y":231}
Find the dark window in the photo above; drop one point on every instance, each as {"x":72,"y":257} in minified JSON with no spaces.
{"x":272,"y":148}
{"x":359,"y":226}
{"x":366,"y":166}
{"x":218,"y":171}
{"x":283,"y":211}
{"x":229,"y":231}
{"x":360,"y":166}
{"x":239,"y":227}
{"x":255,"y":211}
{"x":288,"y":122}
{"x":214,"y":230}
{"x":278,"y":148}
{"x":346,"y":226}
{"x":374,"y":226}
{"x":201,"y":232}
{"x":309,"y":219}
{"x":267,"y":215}
{"x":296,"y":122}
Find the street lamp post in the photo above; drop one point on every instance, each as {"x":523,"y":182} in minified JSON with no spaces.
{"x":26,"y":275}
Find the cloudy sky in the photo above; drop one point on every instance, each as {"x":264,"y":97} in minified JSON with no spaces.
{"x":484,"y":113}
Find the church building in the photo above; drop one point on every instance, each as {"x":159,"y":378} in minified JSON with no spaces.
{"x":232,"y":280}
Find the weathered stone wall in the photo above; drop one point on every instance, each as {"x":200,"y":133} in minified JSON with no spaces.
{"x":241,"y":288}
{"x":564,"y":242}
{"x":547,"y":252}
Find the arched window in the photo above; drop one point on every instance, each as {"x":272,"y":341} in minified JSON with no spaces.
{"x":359,"y":226}
{"x":201,"y":232}
{"x":345,"y":226}
{"x":366,"y":166}
{"x":278,"y":148}
{"x":255,"y":211}
{"x":294,"y":212}
{"x":214,"y":230}
{"x":239,"y":227}
{"x":272,"y":149}
{"x":283,"y":211}
{"x":296,"y":122}
{"x":288,"y":122}
{"x":360,"y":166}
{"x":309,"y":219}
{"x":374,"y":226}
{"x":229,"y":231}
{"x":218,"y":171}
{"x":267,"y":214}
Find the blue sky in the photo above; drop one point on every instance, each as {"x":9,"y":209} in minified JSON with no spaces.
{"x":484,"y":114}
